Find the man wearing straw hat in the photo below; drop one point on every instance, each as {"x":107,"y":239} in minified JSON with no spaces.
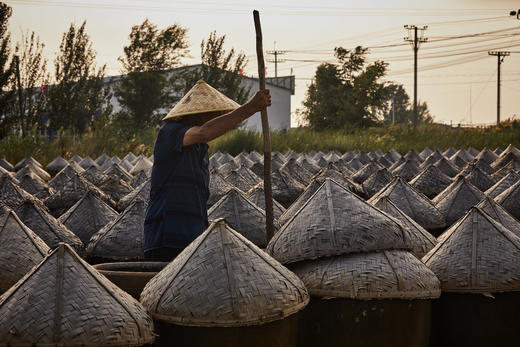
{"x":177,"y":212}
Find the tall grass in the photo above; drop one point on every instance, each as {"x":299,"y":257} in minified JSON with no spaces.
{"x":401,"y":138}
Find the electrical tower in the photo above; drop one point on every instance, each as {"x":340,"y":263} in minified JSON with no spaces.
{"x":276,"y":60}
{"x":416,"y":39}
{"x":501,"y":55}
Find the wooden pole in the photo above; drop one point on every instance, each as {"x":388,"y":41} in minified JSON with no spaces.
{"x":268,"y":190}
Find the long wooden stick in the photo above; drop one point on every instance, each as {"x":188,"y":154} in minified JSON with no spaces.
{"x":268,"y":190}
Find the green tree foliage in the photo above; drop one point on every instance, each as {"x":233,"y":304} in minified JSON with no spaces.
{"x":348,"y":93}
{"x":80,"y":92}
{"x":33,"y":75}
{"x":399,"y":103}
{"x":145,"y":90}
{"x":6,"y":66}
{"x":220,"y":69}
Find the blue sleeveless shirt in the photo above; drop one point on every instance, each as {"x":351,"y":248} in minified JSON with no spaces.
{"x":177,"y":212}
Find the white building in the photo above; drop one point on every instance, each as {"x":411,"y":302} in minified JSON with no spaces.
{"x":279,"y":114}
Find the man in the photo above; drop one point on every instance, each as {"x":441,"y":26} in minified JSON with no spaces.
{"x":177,"y":212}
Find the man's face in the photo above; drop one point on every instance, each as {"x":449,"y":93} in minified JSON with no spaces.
{"x":199,"y":119}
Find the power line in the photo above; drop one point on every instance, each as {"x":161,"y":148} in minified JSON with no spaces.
{"x":418,"y":38}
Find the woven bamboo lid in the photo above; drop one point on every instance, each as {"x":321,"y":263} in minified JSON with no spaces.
{"x":6,"y":165}
{"x":223,"y":280}
{"x":335,"y":221}
{"x":415,"y":204}
{"x":477,"y":177}
{"x":362,"y":174}
{"x":34,"y":214}
{"x":504,"y":183}
{"x":406,"y":170}
{"x":301,"y":174}
{"x":510,"y":200}
{"x":463,"y":155}
{"x":218,"y":187}
{"x":87,"y":162}
{"x":202,"y":98}
{"x":26,"y":161}
{"x":123,"y":238}
{"x":87,"y":216}
{"x":430,"y":181}
{"x":102,"y":159}
{"x":142,"y":192}
{"x":447,"y":167}
{"x":94,"y":175}
{"x":245,"y":217}
{"x":422,"y":240}
{"x":454,"y":201}
{"x":239,"y":181}
{"x":499,"y":214}
{"x":64,"y":175}
{"x":257,"y":196}
{"x":476,"y":255}
{"x":140,"y":178}
{"x":20,"y":248}
{"x":286,"y":189}
{"x":392,"y":274}
{"x":75,"y":158}
{"x":295,"y":206}
{"x":376,"y":181}
{"x":65,"y":302}
{"x":35,"y":169}
{"x":142,"y":164}
{"x":115,"y":187}
{"x":130,"y":157}
{"x":11,"y":194}
{"x":35,"y":186}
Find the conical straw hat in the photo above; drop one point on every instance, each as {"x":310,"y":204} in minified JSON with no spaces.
{"x":223,"y":280}
{"x":202,"y":98}
{"x":63,"y":301}
{"x":393,"y":274}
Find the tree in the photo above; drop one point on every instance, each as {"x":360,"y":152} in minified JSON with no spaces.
{"x":348,"y":93}
{"x":403,"y":110}
{"x":33,"y":78}
{"x":80,"y":92}
{"x":6,"y":66}
{"x":220,"y":69}
{"x":145,"y":91}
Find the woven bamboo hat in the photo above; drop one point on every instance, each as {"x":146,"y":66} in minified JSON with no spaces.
{"x":65,"y":302}
{"x":335,"y":221}
{"x":476,"y":255}
{"x":123,"y":238}
{"x":393,"y":274}
{"x":202,"y":98}
{"x":20,"y":249}
{"x":223,"y":280}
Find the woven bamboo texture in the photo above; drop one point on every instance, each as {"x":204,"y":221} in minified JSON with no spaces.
{"x":457,"y":199}
{"x":286,"y":189}
{"x":337,"y":176}
{"x":94,"y":175}
{"x":476,"y":255}
{"x":32,"y":168}
{"x":486,"y":155}
{"x":123,"y":238}
{"x":292,"y":168}
{"x":140,"y":178}
{"x":422,"y":241}
{"x":142,"y":164}
{"x":430,"y":181}
{"x":87,"y":216}
{"x":376,"y":182}
{"x":119,"y":171}
{"x":243,"y":216}
{"x":87,"y":162}
{"x":218,"y":187}
{"x":26,"y":161}
{"x":115,"y":188}
{"x":257,"y":197}
{"x":65,"y":302}
{"x":201,"y":98}
{"x":102,"y":159}
{"x":477,"y":177}
{"x":142,"y":193}
{"x":499,"y":214}
{"x":223,"y":280}
{"x":510,"y":200}
{"x":35,"y":186}
{"x":375,"y":275}
{"x":6,"y":165}
{"x":238,"y":181}
{"x":20,"y":249}
{"x":406,"y":170}
{"x":295,"y":206}
{"x":335,"y":221}
{"x":447,"y":167}
{"x":505,"y":182}
{"x":75,"y":158}
{"x":504,"y":160}
{"x":64,"y":175}
{"x":415,"y":204}
{"x":362,"y":174}
{"x":35,"y":216}
{"x":11,"y":194}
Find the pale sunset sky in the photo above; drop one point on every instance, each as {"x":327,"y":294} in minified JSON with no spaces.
{"x":457,"y":78}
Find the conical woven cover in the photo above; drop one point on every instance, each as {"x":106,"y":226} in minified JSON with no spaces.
{"x":447,"y":167}
{"x":454,"y":201}
{"x":302,"y":199}
{"x":87,"y":216}
{"x":292,"y":168}
{"x":362,"y":174}
{"x":375,"y":275}
{"x":20,"y":249}
{"x":505,"y":159}
{"x":406,"y":170}
{"x":123,"y":238}
{"x":376,"y":181}
{"x":425,"y":153}
{"x":431,"y":159}
{"x":504,"y":183}
{"x":422,"y":240}
{"x":243,"y":216}
{"x":476,"y":255}
{"x":202,"y":98}
{"x":257,"y":197}
{"x":142,"y":164}
{"x":94,"y":175}
{"x":335,"y":221}
{"x":130,"y":157}
{"x":463,"y":155}
{"x":499,"y":214}
{"x":35,"y":169}
{"x":510,"y":200}
{"x":75,"y":158}
{"x":35,"y":186}
{"x":449,"y":152}
{"x":102,"y":159}
{"x":430,"y":181}
{"x":6,"y":165}
{"x":87,"y":162}
{"x":11,"y":194}
{"x":472,"y":151}
{"x":487,"y":155}
{"x":65,"y":302}
{"x":119,"y":171}
{"x":414,"y":204}
{"x":115,"y":187}
{"x":218,"y":187}
{"x":142,"y":192}
{"x":64,"y":175}
{"x":285,"y":188}
{"x":221,"y":280}
{"x":139,"y":178}
{"x":413,"y":155}
{"x":238,"y":181}
{"x":478,"y":178}
{"x":49,"y":229}
{"x":26,"y":161}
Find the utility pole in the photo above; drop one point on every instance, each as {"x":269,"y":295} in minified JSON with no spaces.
{"x":20,"y":101}
{"x":276,"y":60}
{"x":501,"y":55}
{"x":416,"y":40}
